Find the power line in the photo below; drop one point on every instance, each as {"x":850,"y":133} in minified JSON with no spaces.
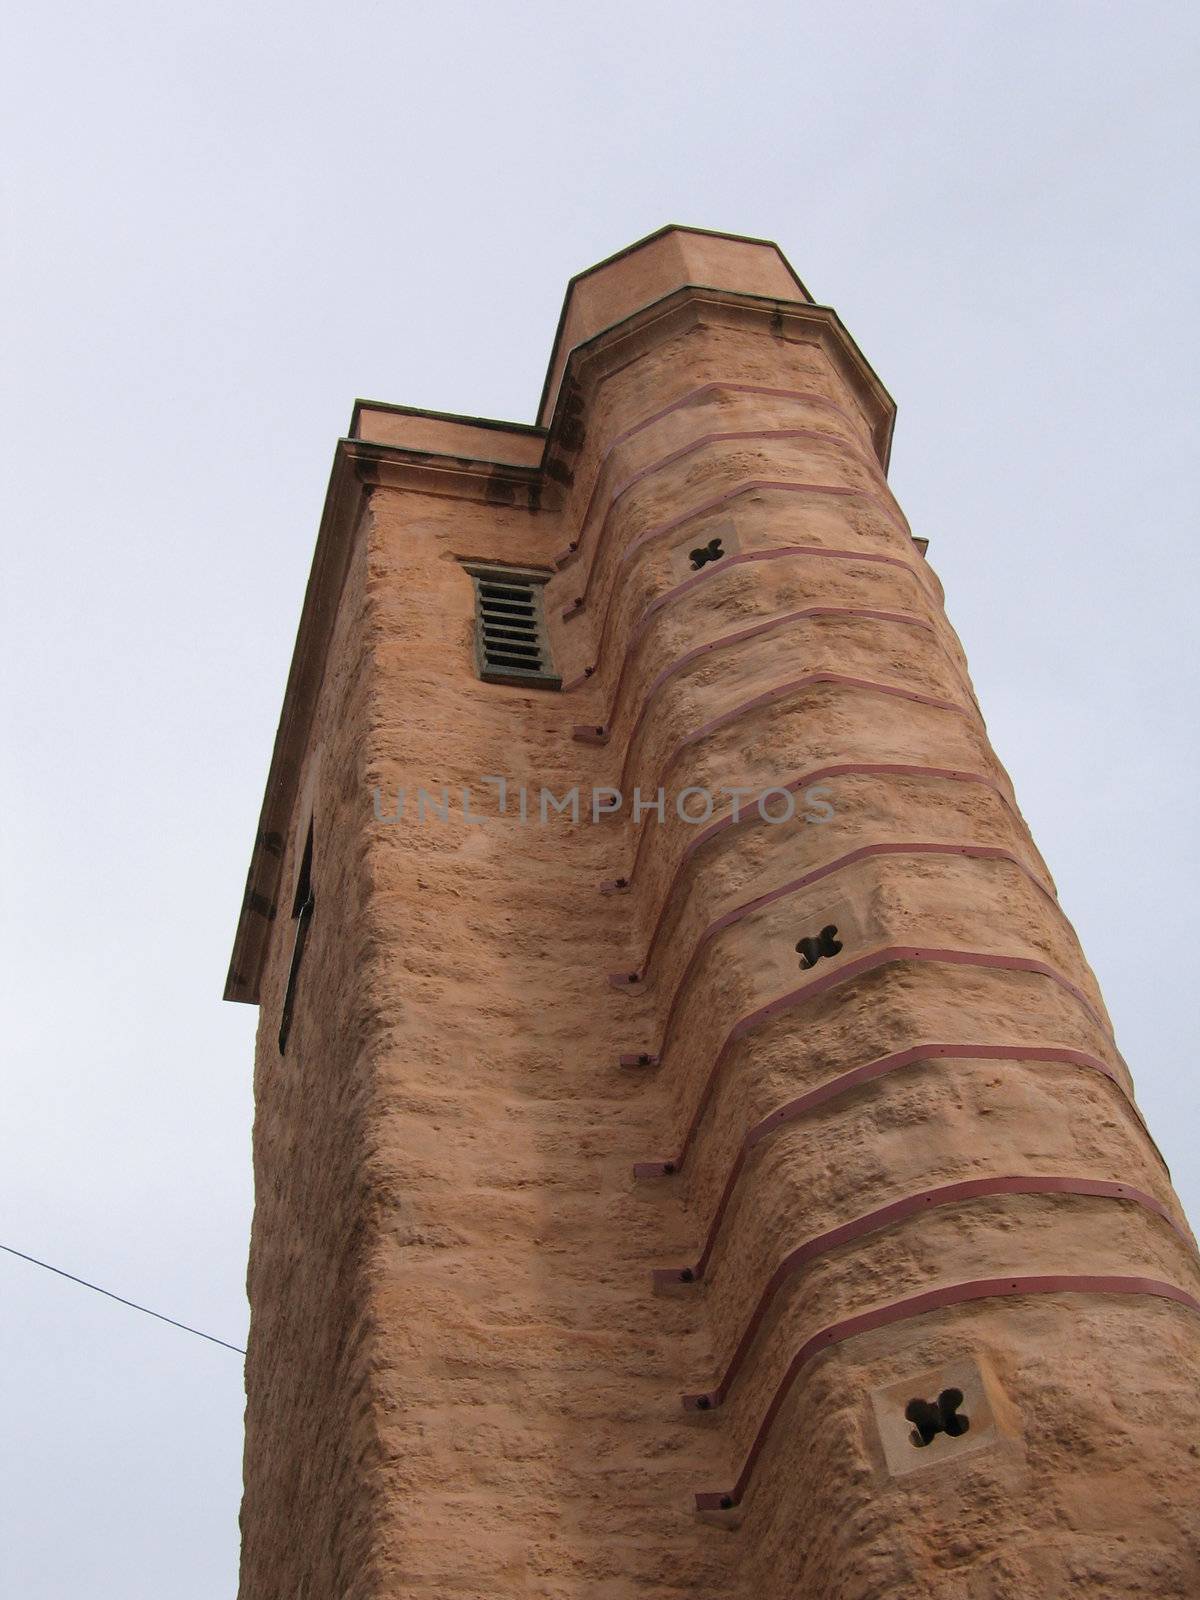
{"x":212,"y":1339}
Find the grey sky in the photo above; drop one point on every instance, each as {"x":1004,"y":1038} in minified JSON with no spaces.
{"x":223,"y":223}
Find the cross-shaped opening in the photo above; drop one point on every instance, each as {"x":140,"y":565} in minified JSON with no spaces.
{"x":703,"y":554}
{"x":931,"y":1417}
{"x":812,"y":948}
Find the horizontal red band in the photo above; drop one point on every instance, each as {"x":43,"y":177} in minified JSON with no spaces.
{"x":868,"y":1072}
{"x":689,"y":398}
{"x":783,"y":691}
{"x":899,"y":1211}
{"x":918,"y":1305}
{"x":741,"y":636}
{"x":756,"y":486}
{"x":887,"y":769}
{"x":981,"y":852}
{"x":837,"y":490}
{"x":845,"y":973}
{"x":681,"y":591}
{"x":821,"y":435}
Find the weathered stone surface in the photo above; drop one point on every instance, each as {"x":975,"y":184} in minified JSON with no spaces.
{"x":461,"y":1382}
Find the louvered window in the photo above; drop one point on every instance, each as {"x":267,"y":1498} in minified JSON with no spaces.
{"x":511,"y":645}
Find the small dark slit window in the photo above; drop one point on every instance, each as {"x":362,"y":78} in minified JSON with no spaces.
{"x":511,"y":644}
{"x":302,"y":911}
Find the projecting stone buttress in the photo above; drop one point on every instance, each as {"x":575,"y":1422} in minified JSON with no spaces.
{"x":692,"y":1153}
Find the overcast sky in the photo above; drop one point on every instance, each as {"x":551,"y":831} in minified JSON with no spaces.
{"x":224,"y":222}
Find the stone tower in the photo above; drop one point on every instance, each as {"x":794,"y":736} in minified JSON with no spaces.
{"x":735,"y":1191}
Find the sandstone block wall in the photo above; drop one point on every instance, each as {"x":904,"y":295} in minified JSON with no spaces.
{"x":465,"y":1373}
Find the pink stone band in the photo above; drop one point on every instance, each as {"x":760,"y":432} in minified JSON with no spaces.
{"x":898,"y":1211}
{"x":795,"y":1110}
{"x":872,"y":961}
{"x":917,"y":1305}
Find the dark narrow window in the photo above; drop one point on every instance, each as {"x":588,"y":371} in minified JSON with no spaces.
{"x":511,"y":645}
{"x":302,"y":910}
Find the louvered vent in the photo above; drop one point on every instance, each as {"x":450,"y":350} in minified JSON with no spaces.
{"x":510,"y":629}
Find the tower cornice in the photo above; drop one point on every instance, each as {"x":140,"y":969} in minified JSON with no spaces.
{"x":519,"y":465}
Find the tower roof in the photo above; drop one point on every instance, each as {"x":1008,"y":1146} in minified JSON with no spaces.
{"x":673,"y":258}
